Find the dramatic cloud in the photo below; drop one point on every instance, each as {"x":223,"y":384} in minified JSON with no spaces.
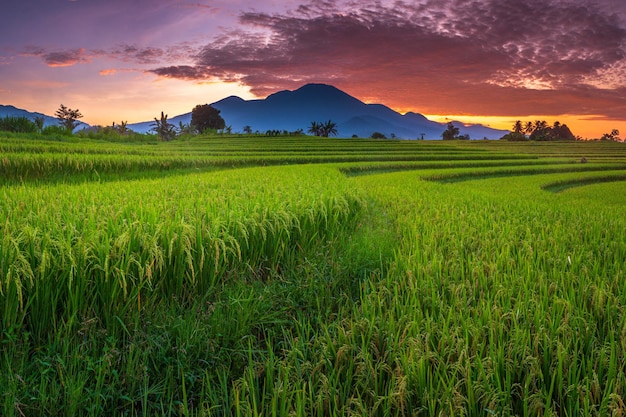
{"x":493,"y":57}
{"x":64,"y":58}
{"x":125,"y":53}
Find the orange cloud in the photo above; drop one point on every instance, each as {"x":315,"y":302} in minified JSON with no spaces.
{"x":64,"y":58}
{"x":107,"y":72}
{"x":453,"y":57}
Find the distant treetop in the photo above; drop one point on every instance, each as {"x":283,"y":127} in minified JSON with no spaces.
{"x":205,"y":117}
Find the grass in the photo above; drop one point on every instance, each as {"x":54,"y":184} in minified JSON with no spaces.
{"x":334,"y":279}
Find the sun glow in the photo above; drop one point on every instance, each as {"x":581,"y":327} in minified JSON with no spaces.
{"x":584,"y":126}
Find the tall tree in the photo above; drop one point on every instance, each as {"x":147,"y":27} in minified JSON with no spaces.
{"x":529,"y":127}
{"x":315,"y":129}
{"x":328,"y":129}
{"x":541,"y":131}
{"x":68,"y":118}
{"x":206,"y":117}
{"x":518,"y":127}
{"x":451,"y":132}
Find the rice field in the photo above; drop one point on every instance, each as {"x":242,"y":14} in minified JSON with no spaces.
{"x":253,"y":276}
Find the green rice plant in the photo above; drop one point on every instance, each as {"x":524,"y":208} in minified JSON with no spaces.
{"x":494,"y":264}
{"x":297,"y":290}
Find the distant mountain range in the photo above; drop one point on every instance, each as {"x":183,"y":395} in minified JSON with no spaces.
{"x":293,"y":110}
{"x":13,"y":111}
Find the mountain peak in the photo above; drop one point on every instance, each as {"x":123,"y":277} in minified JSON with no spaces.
{"x":234,"y":99}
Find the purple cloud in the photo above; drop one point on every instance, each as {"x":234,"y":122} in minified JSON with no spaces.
{"x":480,"y":56}
{"x":58,"y":58}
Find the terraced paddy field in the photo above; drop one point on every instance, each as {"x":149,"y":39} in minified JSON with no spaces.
{"x":251,"y":276}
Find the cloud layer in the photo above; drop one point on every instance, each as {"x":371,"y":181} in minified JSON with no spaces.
{"x":492,"y":57}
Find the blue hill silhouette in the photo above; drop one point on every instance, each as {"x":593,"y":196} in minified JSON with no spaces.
{"x":293,"y":110}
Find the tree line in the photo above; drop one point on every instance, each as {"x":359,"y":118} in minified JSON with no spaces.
{"x":323,"y":129}
{"x":539,"y":130}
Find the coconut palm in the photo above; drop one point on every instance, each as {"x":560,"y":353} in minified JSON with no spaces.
{"x":315,"y":129}
{"x":329,"y":129}
{"x":528,"y":127}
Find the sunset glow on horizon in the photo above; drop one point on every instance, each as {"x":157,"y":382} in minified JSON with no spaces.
{"x":481,"y":61}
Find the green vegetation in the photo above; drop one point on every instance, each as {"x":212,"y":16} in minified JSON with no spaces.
{"x":18,"y":124}
{"x":205,"y":118}
{"x":163,"y":128}
{"x":276,"y":276}
{"x":323,"y":129}
{"x":68,"y":118}
{"x":452,"y":133}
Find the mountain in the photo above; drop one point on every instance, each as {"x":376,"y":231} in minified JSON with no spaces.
{"x":293,"y":110}
{"x":13,"y":111}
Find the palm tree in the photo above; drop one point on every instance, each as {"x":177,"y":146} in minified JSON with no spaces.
{"x":517,"y":127}
{"x":541,"y":125}
{"x":528,"y":127}
{"x":541,"y":131}
{"x":315,"y":129}
{"x":329,"y":129}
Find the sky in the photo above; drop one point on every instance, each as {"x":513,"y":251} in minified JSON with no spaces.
{"x":477,"y":61}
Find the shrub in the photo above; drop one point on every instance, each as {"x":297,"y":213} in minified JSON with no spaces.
{"x":19,"y":124}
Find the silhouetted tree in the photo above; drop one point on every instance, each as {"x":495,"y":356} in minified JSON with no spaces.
{"x":613,"y":136}
{"x":541,"y":131}
{"x":378,"y":135}
{"x":205,"y":117}
{"x":164,"y":129}
{"x":247,"y":130}
{"x":528,"y":127}
{"x":561,"y":132}
{"x":315,"y":129}
{"x":328,"y":129}
{"x":68,"y":118}
{"x":451,"y":132}
{"x":517,"y":133}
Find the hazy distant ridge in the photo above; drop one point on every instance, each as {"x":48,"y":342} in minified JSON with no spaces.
{"x":13,"y":111}
{"x":293,"y":110}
